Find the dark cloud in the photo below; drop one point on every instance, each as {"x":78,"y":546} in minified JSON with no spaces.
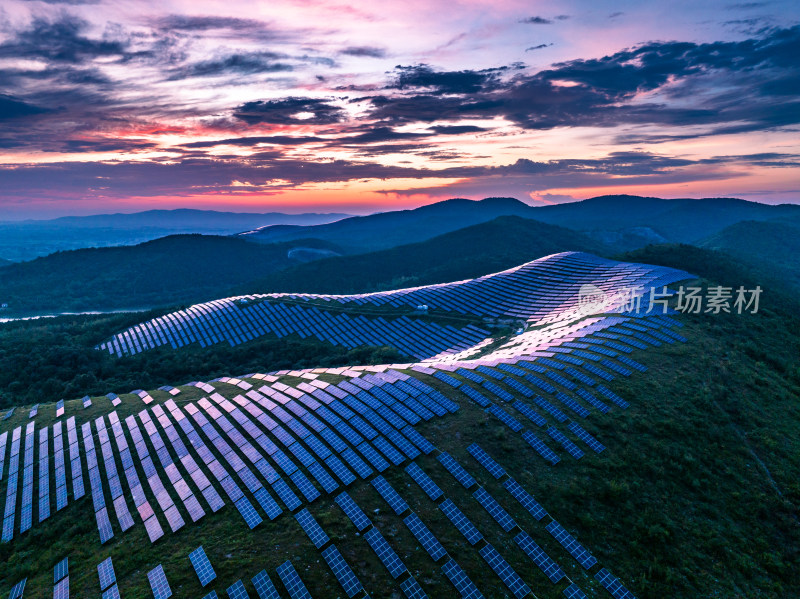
{"x":747,"y":5}
{"x":615,"y":15}
{"x":234,"y":64}
{"x":539,"y":47}
{"x":536,"y":21}
{"x":364,"y":51}
{"x":207,"y":23}
{"x":457,"y":129}
{"x":287,"y":110}
{"x":380,"y":134}
{"x":278,"y":140}
{"x":62,"y":40}
{"x":449,"y":82}
{"x":11,"y":108}
{"x":105,"y":145}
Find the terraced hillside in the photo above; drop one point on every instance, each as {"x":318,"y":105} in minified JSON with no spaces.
{"x":504,"y":464}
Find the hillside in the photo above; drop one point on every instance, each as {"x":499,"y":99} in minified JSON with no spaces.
{"x":169,"y":270}
{"x":390,"y":229}
{"x":29,"y":239}
{"x":470,"y":252}
{"x":772,"y":247}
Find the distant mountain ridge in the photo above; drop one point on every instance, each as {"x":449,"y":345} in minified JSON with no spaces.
{"x":625,"y":221}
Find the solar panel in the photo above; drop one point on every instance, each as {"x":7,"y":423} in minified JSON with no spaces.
{"x":111,"y":593}
{"x":587,"y":438}
{"x":237,"y":591}
{"x":61,"y":590}
{"x":286,"y":495}
{"x":525,"y":499}
{"x":612,"y":584}
{"x":461,"y":581}
{"x":211,"y":595}
{"x":490,"y":504}
{"x":61,"y":570}
{"x":248,"y":512}
{"x":504,"y":570}
{"x":411,"y":589}
{"x":158,"y":583}
{"x":530,"y":413}
{"x":291,"y":580}
{"x":385,"y":553}
{"x":425,"y":482}
{"x":573,"y":591}
{"x":202,"y":566}
{"x":572,"y":449}
{"x":460,"y":521}
{"x":425,"y":537}
{"x":486,"y":461}
{"x":505,"y":418}
{"x":458,"y":472}
{"x":312,"y":528}
{"x":342,"y":571}
{"x":18,"y":589}
{"x":265,"y":589}
{"x":351,"y":509}
{"x":549,"y":567}
{"x":575,"y":549}
{"x":105,"y":570}
{"x":392,"y":497}
{"x":539,"y":446}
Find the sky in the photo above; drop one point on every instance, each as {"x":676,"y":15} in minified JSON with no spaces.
{"x":329,"y":106}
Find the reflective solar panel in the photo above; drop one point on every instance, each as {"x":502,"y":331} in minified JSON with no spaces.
{"x":61,"y":589}
{"x":575,"y":549}
{"x":525,"y":499}
{"x":61,"y":570}
{"x":587,"y":438}
{"x":505,"y":418}
{"x":237,"y":591}
{"x":486,"y":461}
{"x":425,"y":537}
{"x":312,"y":528}
{"x":490,"y":504}
{"x":158,"y":583}
{"x":537,"y":555}
{"x":454,"y":468}
{"x":460,"y":521}
{"x":111,"y":593}
{"x":248,"y":512}
{"x":18,"y":589}
{"x":425,"y":482}
{"x":540,"y":448}
{"x":461,"y":581}
{"x":572,"y":449}
{"x":286,"y":495}
{"x":202,"y":566}
{"x":291,"y":580}
{"x":265,"y":589}
{"x":411,"y":589}
{"x":342,"y":571}
{"x":504,"y":570}
{"x":392,"y":497}
{"x":385,"y":553}
{"x":573,"y":591}
{"x":105,"y":570}
{"x":613,"y":585}
{"x":351,"y":509}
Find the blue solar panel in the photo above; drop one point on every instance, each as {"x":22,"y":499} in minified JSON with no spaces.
{"x":504,"y":570}
{"x":385,"y":553}
{"x":612,"y":584}
{"x":312,"y":528}
{"x":549,"y":567}
{"x":539,"y":446}
{"x":425,"y":537}
{"x":572,"y":449}
{"x":61,"y":570}
{"x":458,"y":472}
{"x":490,"y":504}
{"x":573,"y":591}
{"x":202,"y":566}
{"x":286,"y":494}
{"x":460,"y":521}
{"x":248,"y":512}
{"x":461,"y":581}
{"x":392,"y":497}
{"x":530,"y":413}
{"x":351,"y":509}
{"x":291,"y":580}
{"x":505,"y":418}
{"x":575,"y":549}
{"x":525,"y":499}
{"x":486,"y":461}
{"x":237,"y":591}
{"x":343,"y":573}
{"x":265,"y":589}
{"x":587,"y":438}
{"x":411,"y":589}
{"x":105,"y":570}
{"x":425,"y":482}
{"x":158,"y":583}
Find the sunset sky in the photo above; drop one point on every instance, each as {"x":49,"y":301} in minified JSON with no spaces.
{"x":365,"y":106}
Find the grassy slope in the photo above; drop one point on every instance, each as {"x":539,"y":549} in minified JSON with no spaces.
{"x":502,"y":243}
{"x":679,"y":505}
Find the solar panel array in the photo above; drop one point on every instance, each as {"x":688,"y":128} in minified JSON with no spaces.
{"x":202,"y":566}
